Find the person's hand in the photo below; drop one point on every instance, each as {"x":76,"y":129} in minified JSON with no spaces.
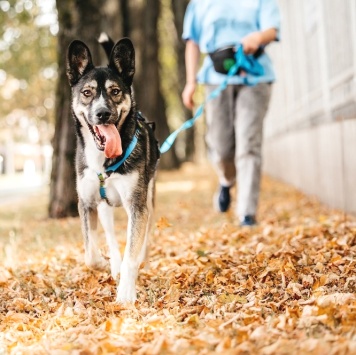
{"x":252,"y":42}
{"x":187,"y":95}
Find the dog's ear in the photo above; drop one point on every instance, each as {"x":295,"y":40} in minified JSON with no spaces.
{"x":79,"y":61}
{"x":122,"y":60}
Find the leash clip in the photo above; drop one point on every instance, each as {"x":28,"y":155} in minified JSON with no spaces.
{"x":102,"y":177}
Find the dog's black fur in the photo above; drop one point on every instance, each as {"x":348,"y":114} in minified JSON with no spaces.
{"x":102,"y":97}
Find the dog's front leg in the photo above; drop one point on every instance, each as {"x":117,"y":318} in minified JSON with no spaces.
{"x":106,"y":216}
{"x":89,"y":219}
{"x":136,"y":241}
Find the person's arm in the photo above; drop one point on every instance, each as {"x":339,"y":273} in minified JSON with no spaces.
{"x":254,"y":40}
{"x":192,"y":55}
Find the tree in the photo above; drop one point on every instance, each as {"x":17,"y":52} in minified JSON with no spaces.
{"x":27,"y":63}
{"x":77,"y":19}
{"x":178,"y":9}
{"x":153,"y":101}
{"x":63,"y":195}
{"x":140,"y":23}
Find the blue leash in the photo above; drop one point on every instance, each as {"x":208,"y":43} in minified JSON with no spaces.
{"x":242,"y":61}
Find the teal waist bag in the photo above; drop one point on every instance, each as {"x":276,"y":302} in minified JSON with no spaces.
{"x":224,"y":58}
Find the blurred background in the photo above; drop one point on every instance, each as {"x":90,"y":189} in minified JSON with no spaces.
{"x":310,"y":130}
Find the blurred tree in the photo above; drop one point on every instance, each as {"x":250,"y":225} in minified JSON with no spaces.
{"x":178,"y":9}
{"x":63,"y":195}
{"x":150,"y":94}
{"x":139,"y":21}
{"x":27,"y":59}
{"x":77,"y":19}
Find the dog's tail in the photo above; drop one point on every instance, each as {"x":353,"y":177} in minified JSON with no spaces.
{"x":107,"y":43}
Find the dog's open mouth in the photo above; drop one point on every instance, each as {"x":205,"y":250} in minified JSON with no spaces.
{"x":107,"y":138}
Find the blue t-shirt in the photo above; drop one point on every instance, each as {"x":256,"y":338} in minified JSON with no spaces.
{"x":214,"y":24}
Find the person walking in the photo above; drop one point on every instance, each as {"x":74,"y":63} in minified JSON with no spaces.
{"x":235,"y":118}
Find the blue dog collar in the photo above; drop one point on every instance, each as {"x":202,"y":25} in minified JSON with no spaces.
{"x":128,"y":152}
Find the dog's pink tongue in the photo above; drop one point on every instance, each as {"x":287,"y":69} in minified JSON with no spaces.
{"x":113,"y":146}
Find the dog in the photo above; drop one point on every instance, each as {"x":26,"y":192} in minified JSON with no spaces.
{"x":116,"y":159}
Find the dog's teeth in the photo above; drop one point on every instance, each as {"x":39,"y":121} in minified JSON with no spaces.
{"x":97,"y":131}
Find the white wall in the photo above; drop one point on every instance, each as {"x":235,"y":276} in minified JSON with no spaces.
{"x":310,"y":130}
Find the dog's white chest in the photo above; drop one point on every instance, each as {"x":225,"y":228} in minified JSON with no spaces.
{"x":118,"y":188}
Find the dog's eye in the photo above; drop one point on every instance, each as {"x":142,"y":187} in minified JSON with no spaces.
{"x":86,"y":93}
{"x":115,"y":92}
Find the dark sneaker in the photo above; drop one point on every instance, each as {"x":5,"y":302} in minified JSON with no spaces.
{"x":223,"y":199}
{"x":248,"y":221}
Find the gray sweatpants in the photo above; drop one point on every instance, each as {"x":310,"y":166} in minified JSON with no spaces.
{"x":234,"y":139}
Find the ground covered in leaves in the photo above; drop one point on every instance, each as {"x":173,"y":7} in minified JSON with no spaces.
{"x":284,"y":287}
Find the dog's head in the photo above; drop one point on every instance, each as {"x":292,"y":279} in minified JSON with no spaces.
{"x":101,"y":97}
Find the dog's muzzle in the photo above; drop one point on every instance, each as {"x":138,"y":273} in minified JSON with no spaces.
{"x":107,"y":139}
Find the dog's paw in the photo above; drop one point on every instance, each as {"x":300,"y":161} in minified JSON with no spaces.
{"x":115,"y":265}
{"x":126,"y":298}
{"x":115,"y":262}
{"x":126,"y":294}
{"x":96,"y":263}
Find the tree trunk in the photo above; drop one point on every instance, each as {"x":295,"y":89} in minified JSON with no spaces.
{"x":115,"y":19}
{"x":89,"y":26}
{"x":178,"y":9}
{"x":78,"y":19}
{"x":63,"y":195}
{"x":152,"y":100}
{"x":125,"y":18}
{"x":143,"y":31}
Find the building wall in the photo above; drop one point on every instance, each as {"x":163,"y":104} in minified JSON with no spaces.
{"x":310,"y":130}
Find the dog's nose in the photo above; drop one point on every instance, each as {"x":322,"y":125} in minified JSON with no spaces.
{"x":103,"y":115}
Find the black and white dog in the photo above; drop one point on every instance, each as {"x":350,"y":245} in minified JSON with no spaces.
{"x":116,"y":159}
